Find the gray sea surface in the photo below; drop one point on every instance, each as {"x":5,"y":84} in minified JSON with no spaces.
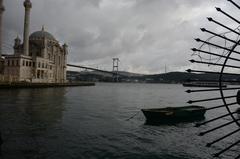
{"x":92,"y":123}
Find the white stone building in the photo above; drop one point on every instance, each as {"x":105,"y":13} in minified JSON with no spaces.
{"x":39,"y":59}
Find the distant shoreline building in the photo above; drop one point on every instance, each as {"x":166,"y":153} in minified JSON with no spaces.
{"x":39,"y":59}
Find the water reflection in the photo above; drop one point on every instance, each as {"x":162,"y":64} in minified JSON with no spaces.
{"x":26,"y":114}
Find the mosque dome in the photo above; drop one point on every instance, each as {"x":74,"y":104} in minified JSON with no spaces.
{"x":42,"y":34}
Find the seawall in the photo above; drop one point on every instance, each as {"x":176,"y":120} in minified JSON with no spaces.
{"x":43,"y":85}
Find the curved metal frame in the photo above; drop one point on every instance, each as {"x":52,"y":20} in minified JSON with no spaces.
{"x":226,"y":56}
{"x":220,"y":83}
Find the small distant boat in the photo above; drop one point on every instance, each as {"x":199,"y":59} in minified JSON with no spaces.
{"x":203,"y":84}
{"x":174,"y":114}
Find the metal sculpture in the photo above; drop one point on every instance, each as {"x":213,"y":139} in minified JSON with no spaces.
{"x":222,"y":54}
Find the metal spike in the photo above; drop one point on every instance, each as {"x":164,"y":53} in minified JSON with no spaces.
{"x":224,"y":150}
{"x":224,"y":48}
{"x":229,"y":16}
{"x":210,"y":90}
{"x":209,"y":99}
{"x":214,"y":119}
{"x":203,"y":29}
{"x":214,"y":54}
{"x":197,"y":80}
{"x":192,"y":61}
{"x":218,"y":127}
{"x":220,"y":106}
{"x":221,"y":138}
{"x":215,"y":64}
{"x":210,"y":32}
{"x":211,"y":20}
{"x":218,"y":9}
{"x":234,"y":4}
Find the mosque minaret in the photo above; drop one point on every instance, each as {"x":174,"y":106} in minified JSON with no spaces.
{"x":28,"y":5}
{"x":1,"y":14}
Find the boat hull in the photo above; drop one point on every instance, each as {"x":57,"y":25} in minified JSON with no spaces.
{"x":174,"y":114}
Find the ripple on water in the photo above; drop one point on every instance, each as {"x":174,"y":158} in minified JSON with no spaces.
{"x":91,"y":122}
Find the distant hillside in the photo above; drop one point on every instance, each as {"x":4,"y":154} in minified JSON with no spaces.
{"x":171,"y":77}
{"x":121,"y":73}
{"x":130,"y":74}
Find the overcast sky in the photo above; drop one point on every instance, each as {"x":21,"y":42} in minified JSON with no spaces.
{"x":145,"y":34}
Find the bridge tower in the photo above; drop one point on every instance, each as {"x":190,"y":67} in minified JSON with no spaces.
{"x":115,"y":69}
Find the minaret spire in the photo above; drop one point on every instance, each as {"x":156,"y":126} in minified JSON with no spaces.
{"x":1,"y":13}
{"x":28,"y":5}
{"x":43,"y":28}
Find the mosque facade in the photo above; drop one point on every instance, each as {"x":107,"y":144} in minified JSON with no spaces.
{"x":38,"y":59}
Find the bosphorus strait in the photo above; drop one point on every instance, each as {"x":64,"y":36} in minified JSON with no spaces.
{"x":92,"y":122}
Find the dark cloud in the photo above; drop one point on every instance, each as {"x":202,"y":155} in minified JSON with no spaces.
{"x":145,"y":34}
